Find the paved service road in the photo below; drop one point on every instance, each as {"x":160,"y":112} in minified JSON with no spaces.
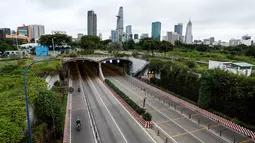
{"x":175,"y":124}
{"x":79,"y":110}
{"x":113,"y":122}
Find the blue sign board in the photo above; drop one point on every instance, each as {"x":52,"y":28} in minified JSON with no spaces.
{"x":41,"y":50}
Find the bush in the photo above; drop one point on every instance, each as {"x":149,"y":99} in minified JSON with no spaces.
{"x":147,"y":116}
{"x":135,"y":54}
{"x":130,"y":102}
{"x":229,"y":94}
{"x":86,"y":52}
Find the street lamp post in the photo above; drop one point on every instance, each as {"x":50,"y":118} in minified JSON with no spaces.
{"x":26,"y":96}
{"x":53,"y":46}
{"x":144,"y":100}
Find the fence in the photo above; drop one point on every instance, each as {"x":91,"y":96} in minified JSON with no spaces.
{"x":216,"y":125}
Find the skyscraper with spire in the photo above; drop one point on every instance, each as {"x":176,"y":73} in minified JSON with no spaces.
{"x":189,"y":36}
{"x":120,"y":24}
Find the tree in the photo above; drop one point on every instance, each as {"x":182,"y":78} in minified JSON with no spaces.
{"x":150,"y":44}
{"x":58,"y":39}
{"x":106,"y":42}
{"x":89,"y":41}
{"x":114,"y":47}
{"x":165,"y":46}
{"x":73,"y":44}
{"x":4,"y":46}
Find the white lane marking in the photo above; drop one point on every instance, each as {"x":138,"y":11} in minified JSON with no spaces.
{"x":210,"y":131}
{"x":162,"y":130}
{"x":176,"y":123}
{"x":166,"y":116}
{"x":129,"y":113}
{"x":86,"y":105}
{"x":107,"y":109}
{"x":70,"y":104}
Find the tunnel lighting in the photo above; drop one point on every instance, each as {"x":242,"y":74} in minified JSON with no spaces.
{"x":104,"y":61}
{"x":110,"y":61}
{"x":118,"y":61}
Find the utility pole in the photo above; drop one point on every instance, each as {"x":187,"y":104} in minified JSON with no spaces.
{"x":53,"y":46}
{"x":144,"y":100}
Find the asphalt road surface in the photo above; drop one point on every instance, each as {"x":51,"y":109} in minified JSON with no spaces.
{"x":79,"y":110}
{"x":113,"y":122}
{"x":175,"y":124}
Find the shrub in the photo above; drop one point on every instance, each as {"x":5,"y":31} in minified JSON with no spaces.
{"x":147,"y":116}
{"x":130,"y":102}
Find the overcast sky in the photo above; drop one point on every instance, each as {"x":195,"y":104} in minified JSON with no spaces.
{"x":223,"y":19}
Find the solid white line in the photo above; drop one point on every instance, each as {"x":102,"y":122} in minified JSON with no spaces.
{"x":70,"y":108}
{"x":160,"y":129}
{"x":210,"y":131}
{"x":128,"y":112}
{"x":164,"y":115}
{"x":107,"y":109}
{"x":86,"y":105}
{"x":176,"y":123}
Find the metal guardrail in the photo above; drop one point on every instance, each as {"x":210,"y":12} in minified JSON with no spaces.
{"x":213,"y":123}
{"x":162,"y":134}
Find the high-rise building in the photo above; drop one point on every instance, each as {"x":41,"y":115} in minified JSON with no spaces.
{"x":114,"y":35}
{"x":234,"y":42}
{"x":100,"y":36}
{"x":129,"y":32}
{"x":79,"y":36}
{"x":188,"y":35}
{"x":136,"y":36}
{"x":212,"y":39}
{"x":178,"y":29}
{"x":6,"y":31}
{"x":37,"y":31}
{"x":92,"y":23}
{"x":2,"y":35}
{"x":156,"y":30}
{"x":26,"y":31}
{"x":246,"y":40}
{"x":172,"y":37}
{"x":207,"y":41}
{"x":120,"y":24}
{"x":164,"y":38}
{"x":13,"y":32}
{"x":144,"y":35}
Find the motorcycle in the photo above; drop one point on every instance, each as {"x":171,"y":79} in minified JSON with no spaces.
{"x":78,"y":127}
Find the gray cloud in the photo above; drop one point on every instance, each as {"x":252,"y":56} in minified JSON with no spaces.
{"x":223,"y":19}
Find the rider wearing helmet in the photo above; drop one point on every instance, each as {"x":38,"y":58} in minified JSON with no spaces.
{"x":78,"y":121}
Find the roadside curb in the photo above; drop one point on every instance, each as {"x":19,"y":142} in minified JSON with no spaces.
{"x":66,"y":128}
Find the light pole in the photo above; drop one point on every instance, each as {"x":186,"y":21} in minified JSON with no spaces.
{"x":144,"y":100}
{"x":53,"y":46}
{"x":26,"y":96}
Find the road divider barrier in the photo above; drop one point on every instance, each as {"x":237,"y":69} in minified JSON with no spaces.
{"x":126,"y":101}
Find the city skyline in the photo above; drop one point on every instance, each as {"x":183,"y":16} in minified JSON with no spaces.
{"x":215,"y":20}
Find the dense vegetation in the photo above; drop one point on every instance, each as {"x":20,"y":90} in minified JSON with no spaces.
{"x":216,"y":90}
{"x":13,"y":125}
{"x":131,"y":103}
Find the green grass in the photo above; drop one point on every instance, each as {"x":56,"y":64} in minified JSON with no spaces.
{"x":206,"y":56}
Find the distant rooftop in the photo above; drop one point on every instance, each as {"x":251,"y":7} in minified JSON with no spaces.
{"x":243,"y":64}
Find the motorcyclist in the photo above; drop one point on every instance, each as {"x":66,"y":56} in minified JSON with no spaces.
{"x":78,"y":122}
